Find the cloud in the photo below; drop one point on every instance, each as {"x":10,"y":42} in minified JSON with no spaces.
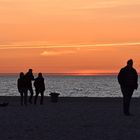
{"x":54,"y":53}
{"x":118,"y":44}
{"x":8,"y":47}
{"x":95,"y":49}
{"x":110,"y":4}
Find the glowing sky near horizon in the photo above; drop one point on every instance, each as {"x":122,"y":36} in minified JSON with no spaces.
{"x":72,"y":36}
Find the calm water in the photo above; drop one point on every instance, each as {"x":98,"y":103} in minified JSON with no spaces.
{"x":71,"y":86}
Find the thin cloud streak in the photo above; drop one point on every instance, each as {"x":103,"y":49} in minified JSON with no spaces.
{"x":55,"y":53}
{"x":109,"y":4}
{"x":7,"y":47}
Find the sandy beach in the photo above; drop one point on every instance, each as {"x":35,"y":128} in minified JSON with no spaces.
{"x":69,"y":119}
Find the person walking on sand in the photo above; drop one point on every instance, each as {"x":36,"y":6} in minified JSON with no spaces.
{"x":29,"y":78}
{"x":22,"y":88}
{"x":39,"y":88}
{"x":128,"y":80}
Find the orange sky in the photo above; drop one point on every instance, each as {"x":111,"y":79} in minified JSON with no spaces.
{"x":72,"y":36}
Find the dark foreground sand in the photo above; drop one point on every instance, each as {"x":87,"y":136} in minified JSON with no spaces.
{"x":69,"y":119}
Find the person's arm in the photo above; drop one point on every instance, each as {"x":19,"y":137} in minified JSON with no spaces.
{"x":18,"y":84}
{"x":120,"y":77}
{"x":136,"y":79}
{"x":32,"y":77}
{"x":43,"y":84}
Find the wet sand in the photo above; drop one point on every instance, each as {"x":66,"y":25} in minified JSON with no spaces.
{"x":69,"y":119}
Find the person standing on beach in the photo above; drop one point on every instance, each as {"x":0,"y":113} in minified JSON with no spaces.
{"x":39,"y":87}
{"x":22,"y":88}
{"x":29,"y":78}
{"x":128,"y":80}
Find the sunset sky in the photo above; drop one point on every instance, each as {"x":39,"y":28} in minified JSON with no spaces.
{"x":69,"y":36}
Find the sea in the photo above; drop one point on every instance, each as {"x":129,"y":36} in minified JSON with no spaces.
{"x":70,"y":86}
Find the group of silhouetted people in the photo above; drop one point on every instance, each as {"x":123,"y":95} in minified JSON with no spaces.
{"x":24,"y":84}
{"x":127,"y":78}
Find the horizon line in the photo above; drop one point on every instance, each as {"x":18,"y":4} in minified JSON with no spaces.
{"x":69,"y":74}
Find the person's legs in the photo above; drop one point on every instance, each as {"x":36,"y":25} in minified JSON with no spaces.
{"x":31,"y":94}
{"x":25,"y":97}
{"x":21,"y":99}
{"x":42,"y":97}
{"x":127,"y":94}
{"x":36,"y":96}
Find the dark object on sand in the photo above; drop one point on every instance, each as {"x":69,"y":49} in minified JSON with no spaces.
{"x":54,"y":97}
{"x":4,"y":104}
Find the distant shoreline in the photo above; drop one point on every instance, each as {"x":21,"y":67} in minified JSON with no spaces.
{"x":68,"y":74}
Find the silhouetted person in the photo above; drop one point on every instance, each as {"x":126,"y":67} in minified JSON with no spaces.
{"x":39,"y":88}
{"x":29,"y":78}
{"x":128,"y":80}
{"x":22,"y":88}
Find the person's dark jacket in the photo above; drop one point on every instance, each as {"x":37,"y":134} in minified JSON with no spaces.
{"x":39,"y":84}
{"x":29,"y":78}
{"x":21,"y":84}
{"x":128,"y":78}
